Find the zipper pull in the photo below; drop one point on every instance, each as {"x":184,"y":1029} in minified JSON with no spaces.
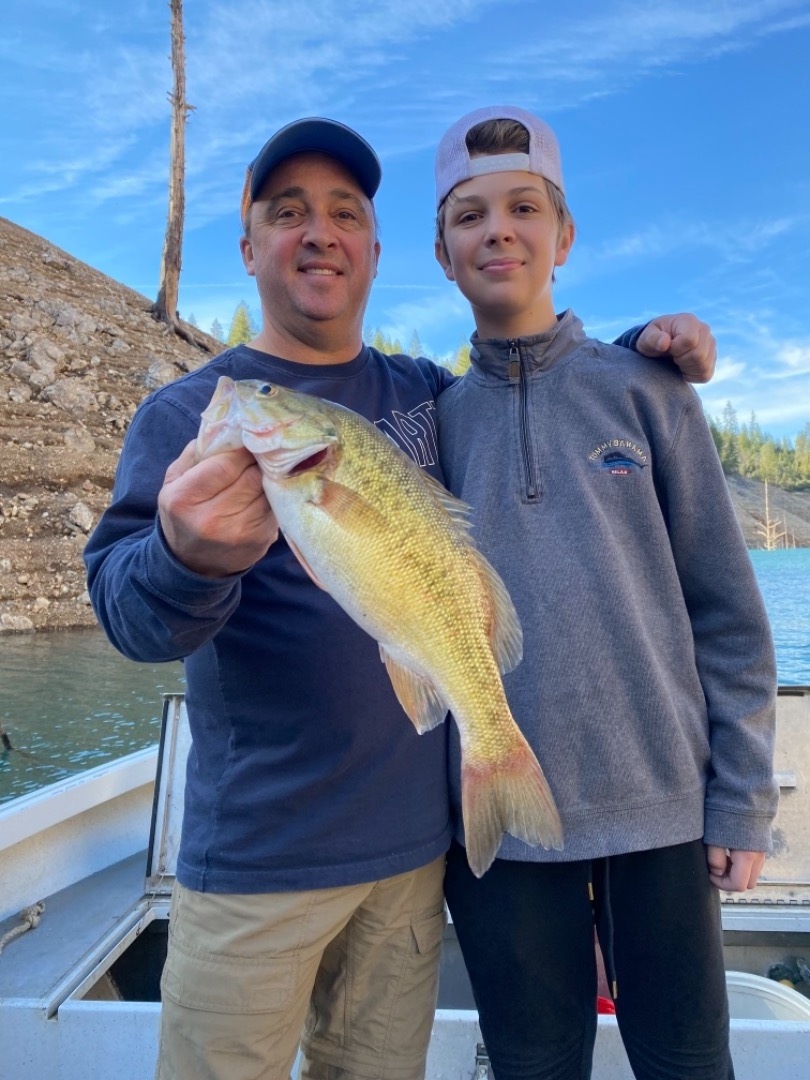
{"x":514,"y":361}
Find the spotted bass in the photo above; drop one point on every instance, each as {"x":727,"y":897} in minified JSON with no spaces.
{"x":392,"y":547}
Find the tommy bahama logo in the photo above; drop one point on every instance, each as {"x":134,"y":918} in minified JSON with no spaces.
{"x":618,"y":456}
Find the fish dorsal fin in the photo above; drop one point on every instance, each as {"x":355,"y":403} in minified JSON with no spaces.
{"x":297,"y":553}
{"x":505,"y":632}
{"x":506,"y":635}
{"x":416,"y":694}
{"x":459,"y":511}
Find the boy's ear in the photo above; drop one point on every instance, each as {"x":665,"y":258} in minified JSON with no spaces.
{"x":565,"y":243}
{"x":441,"y":257}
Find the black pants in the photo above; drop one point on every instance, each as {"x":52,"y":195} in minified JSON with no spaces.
{"x":526,"y":934}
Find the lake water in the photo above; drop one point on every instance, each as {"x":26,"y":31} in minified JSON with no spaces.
{"x":69,"y":701}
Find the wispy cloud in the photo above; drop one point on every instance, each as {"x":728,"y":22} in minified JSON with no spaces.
{"x":731,"y":240}
{"x":630,"y":40}
{"x":763,"y":372}
{"x":258,"y":64}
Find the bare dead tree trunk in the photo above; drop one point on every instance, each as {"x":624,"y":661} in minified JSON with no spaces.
{"x":165,"y":307}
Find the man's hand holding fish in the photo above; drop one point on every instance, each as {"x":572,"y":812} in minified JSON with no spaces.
{"x":214,"y":514}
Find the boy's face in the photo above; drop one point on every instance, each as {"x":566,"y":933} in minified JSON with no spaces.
{"x":502,"y":241}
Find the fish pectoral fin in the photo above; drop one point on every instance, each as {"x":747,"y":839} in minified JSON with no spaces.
{"x":416,"y":694}
{"x":505,"y":632}
{"x":346,"y":507}
{"x":296,"y":552}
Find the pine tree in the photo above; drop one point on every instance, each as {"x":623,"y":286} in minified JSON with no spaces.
{"x":377,"y":341}
{"x":416,"y":348}
{"x":461,"y":360}
{"x":192,"y":320}
{"x":217,"y":331}
{"x":241,"y":329}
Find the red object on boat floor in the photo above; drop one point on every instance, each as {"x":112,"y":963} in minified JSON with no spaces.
{"x":605,"y":1006}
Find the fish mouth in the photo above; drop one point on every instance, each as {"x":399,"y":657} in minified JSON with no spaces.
{"x":282,"y":462}
{"x":311,"y":462}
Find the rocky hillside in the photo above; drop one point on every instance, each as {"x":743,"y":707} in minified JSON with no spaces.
{"x":78,"y":351}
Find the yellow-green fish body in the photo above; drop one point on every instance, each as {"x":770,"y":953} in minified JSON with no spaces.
{"x":392,"y":547}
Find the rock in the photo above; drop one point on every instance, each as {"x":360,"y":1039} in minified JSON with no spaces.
{"x":72,"y":396}
{"x":159,"y":373}
{"x":82,"y":516}
{"x":43,"y":353}
{"x":79,"y":438}
{"x":15,"y":624}
{"x":37,"y":377}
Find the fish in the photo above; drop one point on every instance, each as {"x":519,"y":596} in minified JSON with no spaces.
{"x":393,"y":548}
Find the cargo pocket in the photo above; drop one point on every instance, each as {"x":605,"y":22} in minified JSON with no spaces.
{"x":429,"y":931}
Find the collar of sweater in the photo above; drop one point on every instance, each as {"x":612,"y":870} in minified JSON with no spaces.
{"x":539,"y":352}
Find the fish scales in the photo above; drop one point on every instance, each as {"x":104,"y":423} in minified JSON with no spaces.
{"x":392,"y":547}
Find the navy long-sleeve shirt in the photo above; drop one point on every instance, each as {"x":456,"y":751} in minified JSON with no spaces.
{"x":304,"y":770}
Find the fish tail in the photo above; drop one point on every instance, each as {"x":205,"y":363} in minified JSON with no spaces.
{"x":508,"y":795}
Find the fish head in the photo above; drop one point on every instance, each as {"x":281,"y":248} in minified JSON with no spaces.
{"x":288,"y":432}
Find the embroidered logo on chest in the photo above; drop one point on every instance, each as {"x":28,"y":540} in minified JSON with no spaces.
{"x":619,"y":457}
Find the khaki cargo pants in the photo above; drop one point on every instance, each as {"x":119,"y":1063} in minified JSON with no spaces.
{"x":356,"y":968}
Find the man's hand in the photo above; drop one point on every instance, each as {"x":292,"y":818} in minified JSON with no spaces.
{"x":732,"y":870}
{"x":215,"y":516}
{"x":687,"y":340}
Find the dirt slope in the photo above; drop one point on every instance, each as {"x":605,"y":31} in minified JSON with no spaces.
{"x":78,"y":351}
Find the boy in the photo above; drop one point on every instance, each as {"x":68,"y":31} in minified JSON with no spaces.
{"x":647,"y":687}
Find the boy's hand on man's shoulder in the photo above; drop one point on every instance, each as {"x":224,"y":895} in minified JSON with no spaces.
{"x":684,"y":338}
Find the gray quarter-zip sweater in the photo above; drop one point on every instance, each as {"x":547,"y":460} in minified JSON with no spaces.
{"x":647,"y":687}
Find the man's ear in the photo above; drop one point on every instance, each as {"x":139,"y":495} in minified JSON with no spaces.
{"x":440,"y":251}
{"x":246,"y":249}
{"x":377,"y":250}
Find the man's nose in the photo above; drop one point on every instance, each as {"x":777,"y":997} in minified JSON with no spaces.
{"x":319,"y":230}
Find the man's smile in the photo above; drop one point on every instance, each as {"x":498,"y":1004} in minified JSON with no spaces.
{"x":323,"y":271}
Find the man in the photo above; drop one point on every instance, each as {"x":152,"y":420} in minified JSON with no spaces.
{"x":316,"y":821}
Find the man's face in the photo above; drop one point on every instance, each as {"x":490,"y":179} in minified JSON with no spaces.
{"x":312,"y":248}
{"x":502,"y":241}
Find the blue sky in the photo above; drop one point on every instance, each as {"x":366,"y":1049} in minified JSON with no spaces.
{"x":683,"y":123}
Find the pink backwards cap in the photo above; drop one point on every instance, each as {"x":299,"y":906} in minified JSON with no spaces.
{"x":454,"y":164}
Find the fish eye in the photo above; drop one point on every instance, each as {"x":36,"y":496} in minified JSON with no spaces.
{"x":268,"y":390}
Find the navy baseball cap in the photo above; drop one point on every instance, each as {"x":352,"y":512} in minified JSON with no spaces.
{"x":314,"y":135}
